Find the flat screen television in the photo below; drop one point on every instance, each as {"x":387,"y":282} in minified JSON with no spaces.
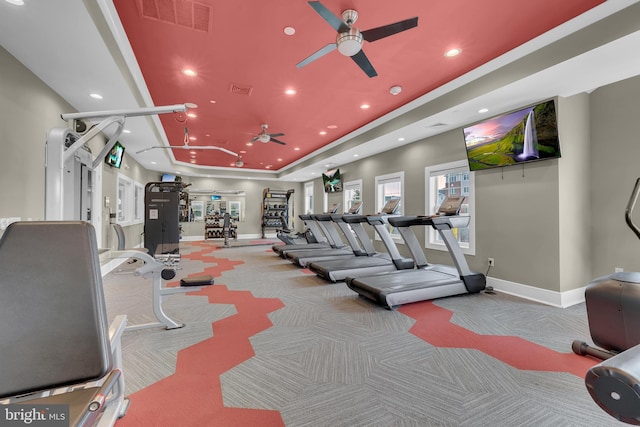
{"x":332,"y":181}
{"x":114,"y":157}
{"x":167,"y":177}
{"x":525,"y":135}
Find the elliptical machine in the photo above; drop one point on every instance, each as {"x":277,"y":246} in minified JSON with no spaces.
{"x":613,"y":310}
{"x":613,"y":306}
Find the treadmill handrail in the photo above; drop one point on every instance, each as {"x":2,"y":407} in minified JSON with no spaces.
{"x":631,"y":206}
{"x":453,"y":221}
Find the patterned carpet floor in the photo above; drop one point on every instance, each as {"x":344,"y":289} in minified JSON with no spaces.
{"x":270,"y":344}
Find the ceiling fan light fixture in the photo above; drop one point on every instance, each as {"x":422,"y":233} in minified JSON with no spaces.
{"x":264,"y":138}
{"x":239,"y":163}
{"x":350,"y":42}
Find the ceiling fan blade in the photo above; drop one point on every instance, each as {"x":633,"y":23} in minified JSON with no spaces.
{"x":254,"y":139}
{"x":388,"y":30}
{"x":278,"y":141}
{"x":328,"y":48}
{"x":329,"y":16}
{"x":363,"y":62}
{"x":276,"y":134}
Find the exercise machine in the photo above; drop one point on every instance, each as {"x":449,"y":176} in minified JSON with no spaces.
{"x":427,"y":281}
{"x":613,"y":305}
{"x":161,"y":220}
{"x":60,"y":353}
{"x":614,"y":384}
{"x":326,"y":238}
{"x":72,"y":173}
{"x":339,"y":269}
{"x":158,"y":272}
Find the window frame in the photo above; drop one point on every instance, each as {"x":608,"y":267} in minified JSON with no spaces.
{"x":381,"y":180}
{"x":129,"y":204}
{"x":308,"y":196}
{"x":347,"y":188}
{"x":430,"y":199}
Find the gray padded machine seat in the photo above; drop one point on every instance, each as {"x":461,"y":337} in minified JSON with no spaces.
{"x":55,"y":333}
{"x":339,"y":269}
{"x":428,"y":281}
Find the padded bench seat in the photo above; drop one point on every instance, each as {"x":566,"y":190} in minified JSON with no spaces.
{"x":197,"y":281}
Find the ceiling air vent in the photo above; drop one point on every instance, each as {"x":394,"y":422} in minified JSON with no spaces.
{"x":185,"y":13}
{"x":436,"y":125}
{"x":240,"y":89}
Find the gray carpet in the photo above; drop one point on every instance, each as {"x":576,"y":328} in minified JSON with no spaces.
{"x":332,"y":358}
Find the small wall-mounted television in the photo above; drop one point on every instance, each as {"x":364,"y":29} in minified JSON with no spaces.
{"x":215,"y":197}
{"x":525,"y":135}
{"x":114,"y":157}
{"x":332,"y":181}
{"x":167,"y":177}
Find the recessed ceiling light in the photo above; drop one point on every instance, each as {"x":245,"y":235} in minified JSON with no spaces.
{"x":365,"y":106}
{"x":289,"y":31}
{"x":323,"y":132}
{"x":453,"y":52}
{"x":296,"y":149}
{"x":192,"y":138}
{"x":16,"y":2}
{"x":290,"y":91}
{"x":401,"y":139}
{"x":332,"y":127}
{"x":126,"y":131}
{"x":189,"y":72}
{"x":483,"y":110}
{"x":192,"y":115}
{"x":154,"y":163}
{"x":356,"y":155}
{"x":213,"y":101}
{"x":394,"y":90}
{"x":95,"y":96}
{"x":249,"y":144}
{"x":279,"y":159}
{"x":242,"y":151}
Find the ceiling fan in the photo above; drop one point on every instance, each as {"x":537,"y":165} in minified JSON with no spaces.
{"x":186,"y":146}
{"x":265,"y":136}
{"x":349,"y":39}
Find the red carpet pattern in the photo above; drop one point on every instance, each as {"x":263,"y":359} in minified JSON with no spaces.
{"x":193,"y":395}
{"x":433,"y":325}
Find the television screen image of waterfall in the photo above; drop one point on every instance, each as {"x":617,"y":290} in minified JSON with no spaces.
{"x":525,"y":135}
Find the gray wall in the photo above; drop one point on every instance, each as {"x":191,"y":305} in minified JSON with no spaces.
{"x":615,"y":148}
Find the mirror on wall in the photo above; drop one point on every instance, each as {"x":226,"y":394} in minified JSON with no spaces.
{"x":212,"y":203}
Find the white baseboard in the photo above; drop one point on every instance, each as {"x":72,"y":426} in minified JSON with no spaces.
{"x":544,"y":296}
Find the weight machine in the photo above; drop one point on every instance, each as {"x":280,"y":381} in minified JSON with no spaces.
{"x":70,"y":166}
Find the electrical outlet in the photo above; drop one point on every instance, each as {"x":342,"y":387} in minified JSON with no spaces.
{"x":491,"y":262}
{"x":618,"y":270}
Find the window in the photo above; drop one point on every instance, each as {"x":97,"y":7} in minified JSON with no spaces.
{"x":450,"y":179}
{"x":130,"y":205}
{"x":308,"y":197}
{"x":352,"y":194}
{"x":138,"y":215}
{"x":388,"y":187}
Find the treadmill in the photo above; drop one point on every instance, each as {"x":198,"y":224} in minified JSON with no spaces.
{"x":310,"y":223}
{"x":329,"y":238}
{"x":339,"y":269}
{"x":428,"y":281}
{"x":302,"y":258}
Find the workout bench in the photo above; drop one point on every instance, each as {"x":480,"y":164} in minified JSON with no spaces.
{"x":56,"y":347}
